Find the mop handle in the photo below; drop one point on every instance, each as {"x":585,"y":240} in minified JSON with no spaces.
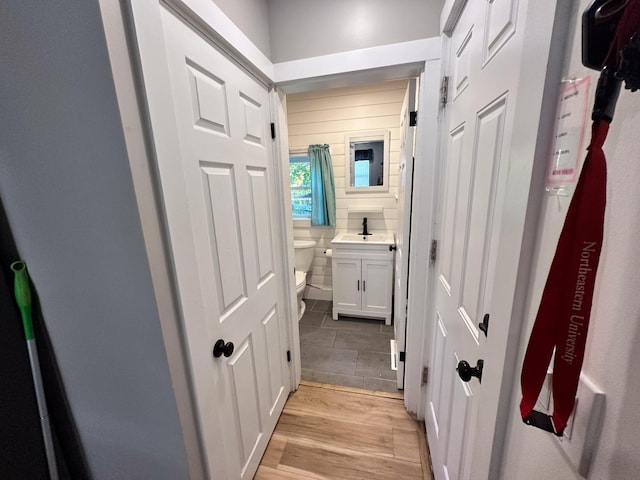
{"x":23,"y":299}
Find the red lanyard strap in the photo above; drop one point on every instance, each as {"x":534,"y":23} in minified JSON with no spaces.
{"x":563,"y":317}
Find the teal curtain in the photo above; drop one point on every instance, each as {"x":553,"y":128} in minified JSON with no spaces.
{"x":323,"y":190}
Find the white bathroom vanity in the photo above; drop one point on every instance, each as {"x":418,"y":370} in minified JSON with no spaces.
{"x":363,"y":275}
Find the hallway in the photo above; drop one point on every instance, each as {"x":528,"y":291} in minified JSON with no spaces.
{"x":333,"y":432}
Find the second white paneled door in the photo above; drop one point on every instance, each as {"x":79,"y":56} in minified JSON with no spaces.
{"x":496,"y":57}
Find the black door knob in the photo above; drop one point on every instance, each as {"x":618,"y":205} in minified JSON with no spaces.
{"x":466,"y":371}
{"x":221,"y":348}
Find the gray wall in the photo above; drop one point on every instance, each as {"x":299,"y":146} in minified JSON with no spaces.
{"x":66,"y":186}
{"x":252,"y":17}
{"x":308,"y":28}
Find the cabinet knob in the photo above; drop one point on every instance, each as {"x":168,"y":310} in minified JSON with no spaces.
{"x":392,"y":248}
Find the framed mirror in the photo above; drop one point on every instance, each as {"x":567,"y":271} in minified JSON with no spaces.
{"x":367,"y":161}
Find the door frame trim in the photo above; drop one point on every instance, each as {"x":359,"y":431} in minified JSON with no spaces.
{"x":419,"y":329}
{"x":450,"y":14}
{"x":420,"y":305}
{"x":281,"y":160}
{"x":207,"y":18}
{"x":214,"y":24}
{"x":320,"y":72}
{"x":117,"y":23}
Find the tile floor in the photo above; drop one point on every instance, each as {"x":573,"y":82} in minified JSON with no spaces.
{"x":350,"y":351}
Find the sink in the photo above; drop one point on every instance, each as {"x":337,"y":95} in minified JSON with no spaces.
{"x":371,"y":239}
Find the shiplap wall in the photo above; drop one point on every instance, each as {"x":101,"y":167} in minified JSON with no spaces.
{"x":326,"y":117}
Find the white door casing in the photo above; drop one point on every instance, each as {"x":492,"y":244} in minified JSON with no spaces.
{"x":210,"y":123}
{"x":497,"y":69}
{"x":405,"y":181}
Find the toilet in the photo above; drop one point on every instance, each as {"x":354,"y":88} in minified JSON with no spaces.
{"x":305,"y":250}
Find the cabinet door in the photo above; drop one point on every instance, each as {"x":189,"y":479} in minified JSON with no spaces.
{"x":347,"y":284}
{"x":376,"y":286}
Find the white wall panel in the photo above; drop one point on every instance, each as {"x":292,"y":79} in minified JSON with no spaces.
{"x":325,"y":117}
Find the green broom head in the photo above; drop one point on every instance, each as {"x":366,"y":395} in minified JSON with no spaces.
{"x":23,"y":296}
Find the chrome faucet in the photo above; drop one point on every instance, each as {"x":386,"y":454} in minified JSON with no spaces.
{"x":365,"y":231}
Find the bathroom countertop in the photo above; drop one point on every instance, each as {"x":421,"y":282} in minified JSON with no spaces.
{"x":371,"y":239}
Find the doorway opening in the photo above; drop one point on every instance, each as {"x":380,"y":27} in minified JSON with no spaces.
{"x":355,"y":350}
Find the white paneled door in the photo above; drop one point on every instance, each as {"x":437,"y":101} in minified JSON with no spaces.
{"x":496,"y":55}
{"x":211,"y":127}
{"x":405,"y":183}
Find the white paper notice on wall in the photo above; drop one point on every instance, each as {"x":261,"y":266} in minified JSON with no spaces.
{"x":568,"y":140}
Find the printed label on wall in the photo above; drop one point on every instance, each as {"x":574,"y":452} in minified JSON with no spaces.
{"x":568,"y":138}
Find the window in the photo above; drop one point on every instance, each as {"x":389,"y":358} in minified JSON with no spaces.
{"x":361,"y":174}
{"x":300,"y":180}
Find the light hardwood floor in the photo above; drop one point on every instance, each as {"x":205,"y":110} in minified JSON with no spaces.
{"x":330,"y":432}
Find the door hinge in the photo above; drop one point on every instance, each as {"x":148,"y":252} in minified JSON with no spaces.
{"x":433,"y":254}
{"x":444,"y":90}
{"x":273,"y":130}
{"x":425,"y":375}
{"x":289,"y":356}
{"x":401,"y":356}
{"x":413,"y":119}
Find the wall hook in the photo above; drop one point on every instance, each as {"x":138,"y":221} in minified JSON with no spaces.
{"x":629,"y":65}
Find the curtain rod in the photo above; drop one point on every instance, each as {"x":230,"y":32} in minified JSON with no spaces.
{"x":297,"y":151}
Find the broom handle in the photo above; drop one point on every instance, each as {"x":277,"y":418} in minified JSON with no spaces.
{"x":23,"y":299}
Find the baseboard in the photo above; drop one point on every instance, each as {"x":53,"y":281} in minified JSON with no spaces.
{"x":425,"y":454}
{"x":315,"y":293}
